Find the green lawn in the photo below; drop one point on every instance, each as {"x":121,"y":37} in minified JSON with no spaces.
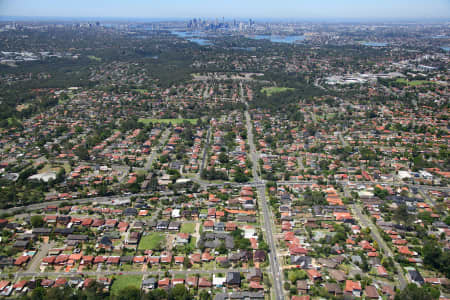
{"x":187,"y":228}
{"x":128,"y":267}
{"x":152,"y":241}
{"x":92,"y":57}
{"x":173,"y":121}
{"x":193,"y":242}
{"x":413,"y":82}
{"x":275,"y":89}
{"x":12,"y":120}
{"x":123,"y":281}
{"x":141,"y":91}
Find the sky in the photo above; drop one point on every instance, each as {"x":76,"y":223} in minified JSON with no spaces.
{"x":257,"y":9}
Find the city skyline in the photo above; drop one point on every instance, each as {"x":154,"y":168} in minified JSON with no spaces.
{"x":177,"y":9}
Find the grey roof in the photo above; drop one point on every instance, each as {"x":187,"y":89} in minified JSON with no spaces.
{"x":6,"y":261}
{"x":337,"y":275}
{"x":255,"y":272}
{"x":42,"y":230}
{"x":234,"y":278}
{"x":174,"y":225}
{"x":64,"y":231}
{"x":78,"y":237}
{"x":356,"y":259}
{"x":126,"y":259}
{"x":149,"y":282}
{"x":416,"y":276}
{"x":332,"y":287}
{"x":138,"y":224}
{"x":105,"y":241}
{"x":113,"y":234}
{"x":327,"y":263}
{"x":130,"y":211}
{"x":163,"y":223}
{"x":20,"y":244}
{"x":303,"y":261}
{"x":221,"y":296}
{"x":302,"y":284}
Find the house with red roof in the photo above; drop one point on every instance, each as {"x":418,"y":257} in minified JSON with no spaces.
{"x":353,"y":288}
{"x":164,"y":283}
{"x":314,"y":275}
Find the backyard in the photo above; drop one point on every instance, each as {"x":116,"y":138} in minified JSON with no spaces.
{"x":121,"y":282}
{"x":152,"y":241}
{"x":187,"y":228}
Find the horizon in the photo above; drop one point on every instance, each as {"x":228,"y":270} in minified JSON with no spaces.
{"x":232,"y":9}
{"x":9,"y":18}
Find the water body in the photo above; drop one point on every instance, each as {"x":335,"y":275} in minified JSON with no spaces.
{"x":184,"y":34}
{"x":194,"y":37}
{"x":199,"y":41}
{"x":446,"y":48}
{"x":374,"y":44}
{"x":290,"y":39}
{"x":249,"y":49}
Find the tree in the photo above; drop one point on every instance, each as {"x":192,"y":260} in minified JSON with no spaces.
{"x":295,"y":275}
{"x":179,"y":292}
{"x":204,"y":295}
{"x":324,"y":164}
{"x":380,"y":193}
{"x":401,"y":214}
{"x":262,"y":245}
{"x":82,"y":152}
{"x":57,"y":294}
{"x":129,"y":293}
{"x":426,"y":217}
{"x":222,"y":249}
{"x":187,"y":263}
{"x":413,"y":292}
{"x":434,"y":257}
{"x":37,"y":221}
{"x":102,"y":190}
{"x":158,"y":294}
{"x":223,"y":158}
{"x":447,"y":220}
{"x":239,"y":176}
{"x":38,"y":293}
{"x":61,"y":175}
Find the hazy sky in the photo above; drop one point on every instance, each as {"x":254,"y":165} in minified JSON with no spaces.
{"x":354,"y":9}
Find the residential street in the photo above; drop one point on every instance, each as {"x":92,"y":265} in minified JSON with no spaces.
{"x":275,"y":268}
{"x":154,"y":153}
{"x":37,"y":259}
{"x":376,"y":235}
{"x":118,"y":272}
{"x":205,"y":150}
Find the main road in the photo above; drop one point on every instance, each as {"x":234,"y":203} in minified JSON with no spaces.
{"x":277,"y":274}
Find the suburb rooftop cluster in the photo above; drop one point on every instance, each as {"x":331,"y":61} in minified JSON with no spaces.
{"x":221,"y":158}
